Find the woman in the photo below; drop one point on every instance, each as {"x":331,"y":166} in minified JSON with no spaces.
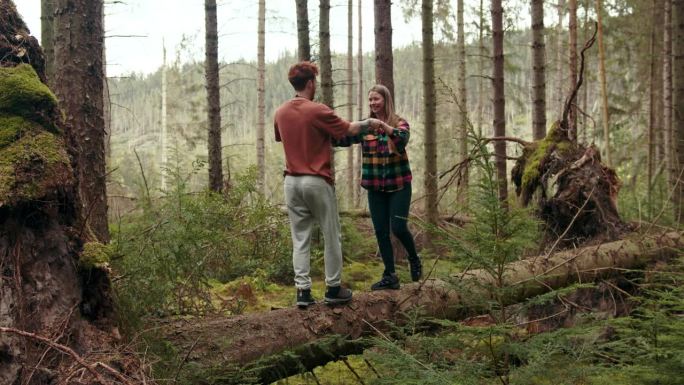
{"x":386,"y":175}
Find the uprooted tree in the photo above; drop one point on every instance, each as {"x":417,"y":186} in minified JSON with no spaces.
{"x":573,"y":192}
{"x":56,"y":309}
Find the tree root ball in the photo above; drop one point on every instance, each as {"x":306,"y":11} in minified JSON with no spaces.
{"x":572,"y":190}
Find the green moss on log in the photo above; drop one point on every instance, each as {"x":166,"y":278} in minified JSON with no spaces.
{"x":23,"y":94}
{"x":95,"y":254}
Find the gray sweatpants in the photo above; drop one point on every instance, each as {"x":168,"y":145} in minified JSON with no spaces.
{"x":308,"y":199}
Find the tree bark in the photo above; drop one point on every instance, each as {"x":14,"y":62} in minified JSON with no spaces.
{"x":79,"y":86}
{"x":678,"y":100}
{"x":303,"y":46}
{"x":47,"y":38}
{"x":538,"y":71}
{"x":164,"y":123}
{"x":655,"y":98}
{"x":560,"y":58}
{"x":325,"y":55}
{"x":213,"y":97}
{"x":481,"y":65}
{"x":48,"y":290}
{"x":384,"y":60}
{"x":430,"y":106}
{"x":350,"y":100}
{"x":572,"y":48}
{"x":667,"y":92}
{"x":360,"y":103}
{"x":247,"y":338}
{"x":261,"y":99}
{"x":604,"y":87}
{"x":499,"y":97}
{"x":463,"y":108}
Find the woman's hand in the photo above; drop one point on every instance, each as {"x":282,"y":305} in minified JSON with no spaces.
{"x":378,"y":125}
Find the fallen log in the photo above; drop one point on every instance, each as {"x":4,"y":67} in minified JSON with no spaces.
{"x":265,"y":338}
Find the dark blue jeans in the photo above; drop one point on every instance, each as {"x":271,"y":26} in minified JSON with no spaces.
{"x":389,"y":212}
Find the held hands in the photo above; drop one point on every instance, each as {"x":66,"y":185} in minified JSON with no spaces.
{"x":378,"y":126}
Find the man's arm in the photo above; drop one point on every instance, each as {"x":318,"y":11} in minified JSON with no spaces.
{"x":355,"y":128}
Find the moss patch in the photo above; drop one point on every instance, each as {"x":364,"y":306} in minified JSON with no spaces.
{"x":554,"y":141}
{"x":96,"y":254}
{"x":13,"y":127}
{"x":23,"y":94}
{"x":32,"y":167}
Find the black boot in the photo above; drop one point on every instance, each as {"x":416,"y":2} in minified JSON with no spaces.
{"x":304,"y":298}
{"x":390,"y":281}
{"x":337,"y":295}
{"x":416,"y":267}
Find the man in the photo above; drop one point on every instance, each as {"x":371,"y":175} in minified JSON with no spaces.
{"x":306,"y":130}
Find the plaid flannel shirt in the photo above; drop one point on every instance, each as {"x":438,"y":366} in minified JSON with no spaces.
{"x":383,"y":169}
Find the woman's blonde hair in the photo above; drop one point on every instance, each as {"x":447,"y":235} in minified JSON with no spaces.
{"x":391,"y":117}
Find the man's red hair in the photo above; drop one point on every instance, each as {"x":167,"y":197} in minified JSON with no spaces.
{"x":301,"y":73}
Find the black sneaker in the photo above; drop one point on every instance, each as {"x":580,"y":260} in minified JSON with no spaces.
{"x":337,"y":295}
{"x":304,"y":298}
{"x":387,"y":282}
{"x":416,"y":268}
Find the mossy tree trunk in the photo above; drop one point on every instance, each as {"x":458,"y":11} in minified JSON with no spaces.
{"x":56,"y":312}
{"x":430,"y":120}
{"x":79,"y":86}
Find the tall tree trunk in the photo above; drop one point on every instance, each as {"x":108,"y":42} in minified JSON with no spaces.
{"x":384,"y":61}
{"x":538,"y":71}
{"x":463,"y":113}
{"x":47,"y":37}
{"x":678,"y":99}
{"x":560,"y":58}
{"x":481,"y":65}
{"x":658,"y":20}
{"x":325,"y":55}
{"x":164,"y":125}
{"x":79,"y":85}
{"x":585,"y":90}
{"x":430,"y":106}
{"x":261,"y":99}
{"x":350,"y":99}
{"x":667,"y":92}
{"x":360,"y":103}
{"x":572,"y":48}
{"x":303,"y":46}
{"x":213,"y":97}
{"x":604,"y":86}
{"x":499,"y":97}
{"x":655,"y":84}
